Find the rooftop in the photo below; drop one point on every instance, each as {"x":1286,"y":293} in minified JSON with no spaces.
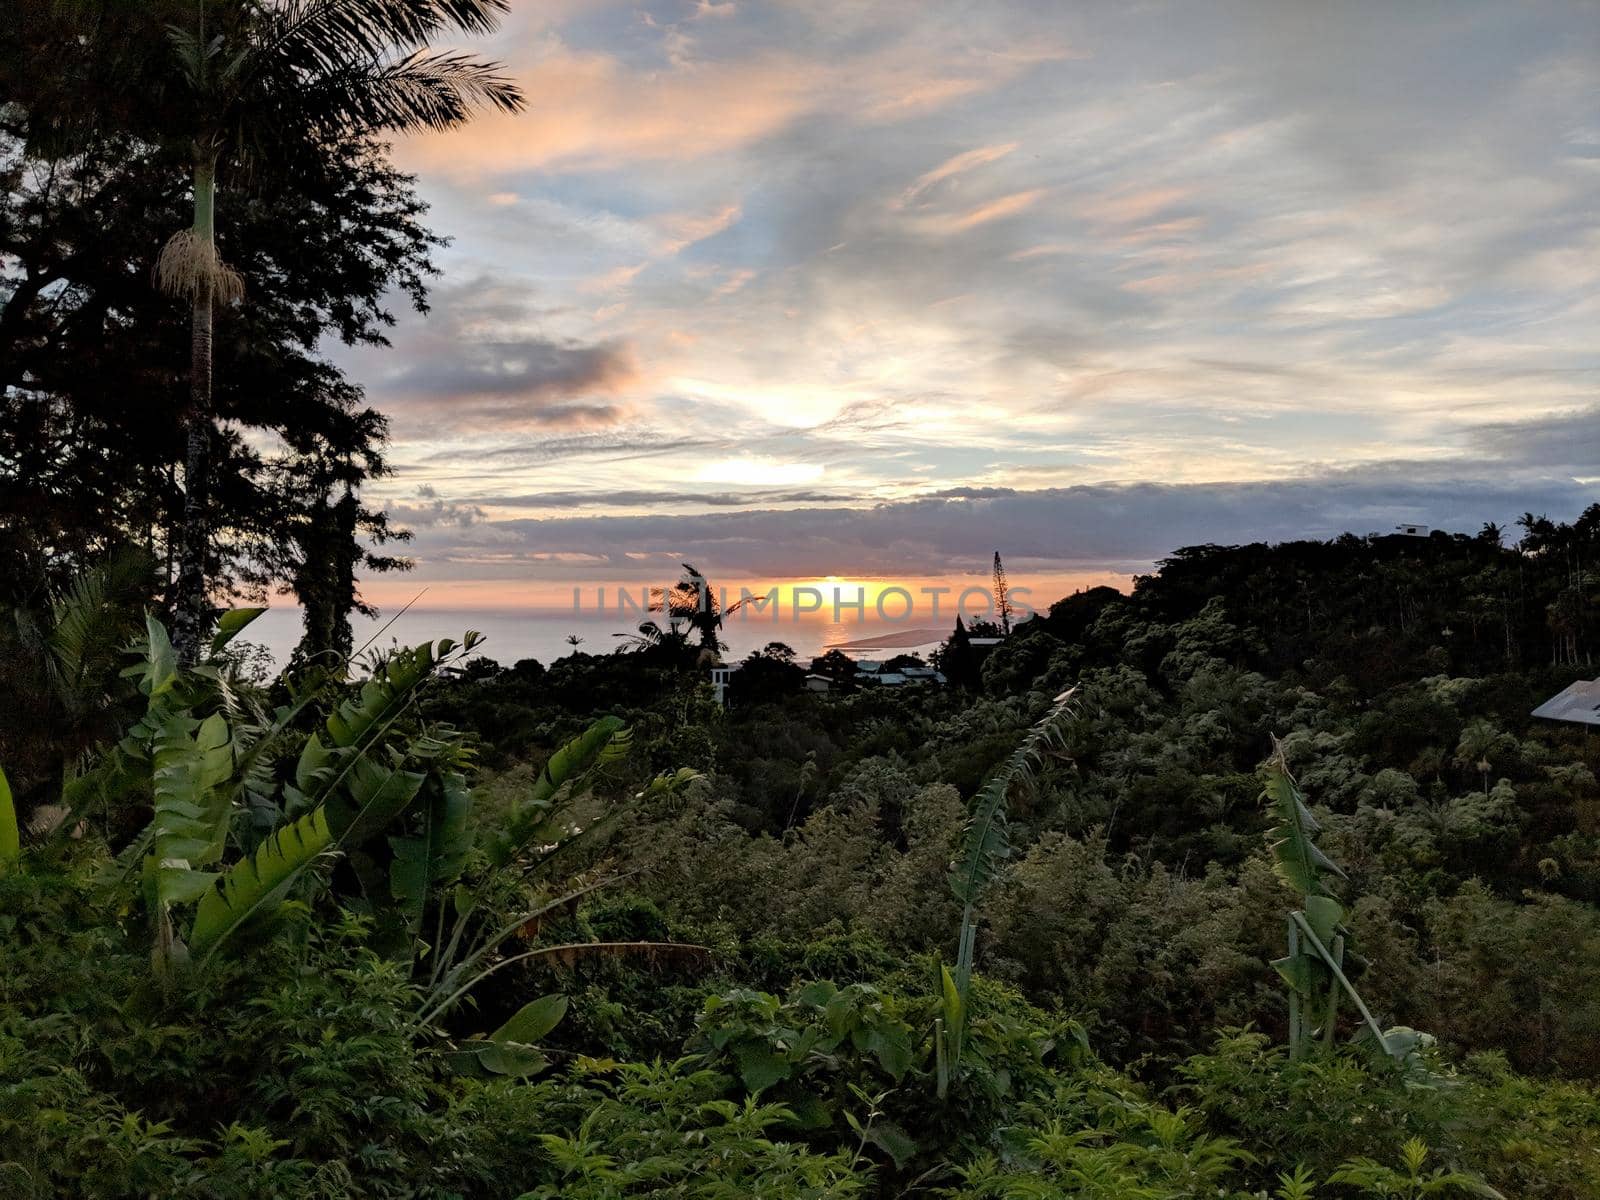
{"x":1580,"y":703}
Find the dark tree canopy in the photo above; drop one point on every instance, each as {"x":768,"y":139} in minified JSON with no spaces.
{"x":93,"y":360}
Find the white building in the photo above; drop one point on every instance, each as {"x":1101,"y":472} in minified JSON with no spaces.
{"x":719,"y":682}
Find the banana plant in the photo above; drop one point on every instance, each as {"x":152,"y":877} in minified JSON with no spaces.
{"x":349,"y":786}
{"x":352,"y":784}
{"x":1313,"y":970}
{"x":985,"y":845}
{"x":392,"y":802}
{"x":512,"y":1049}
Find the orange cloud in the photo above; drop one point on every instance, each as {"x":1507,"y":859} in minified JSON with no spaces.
{"x":589,"y":110}
{"x":994,"y":210}
{"x":1131,"y":207}
{"x":610,"y":281}
{"x":951,"y":167}
{"x":683,"y":230}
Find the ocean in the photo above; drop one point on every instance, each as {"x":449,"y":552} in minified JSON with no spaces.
{"x":511,"y":635}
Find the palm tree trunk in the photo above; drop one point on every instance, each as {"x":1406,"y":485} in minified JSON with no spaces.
{"x":191,"y":612}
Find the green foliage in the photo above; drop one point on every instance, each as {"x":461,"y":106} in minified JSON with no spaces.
{"x":254,"y":890}
{"x":985,"y":844}
{"x":1314,"y":967}
{"x":347,"y":792}
{"x":10,"y":841}
{"x":1411,"y":1180}
{"x":342,"y":1055}
{"x":603,"y":742}
{"x":666,"y":1130}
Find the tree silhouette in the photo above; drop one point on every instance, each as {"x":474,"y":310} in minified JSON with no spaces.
{"x":227,"y":82}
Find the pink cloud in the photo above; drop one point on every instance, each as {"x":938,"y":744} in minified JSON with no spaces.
{"x":993,"y":210}
{"x":590,"y":111}
{"x":951,"y":167}
{"x":1132,"y":207}
{"x":682,"y":230}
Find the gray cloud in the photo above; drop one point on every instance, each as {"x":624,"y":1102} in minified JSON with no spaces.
{"x":529,"y":368}
{"x":479,"y":353}
{"x":1566,"y":440}
{"x":661,"y":499}
{"x":429,"y":509}
{"x":1101,"y":526}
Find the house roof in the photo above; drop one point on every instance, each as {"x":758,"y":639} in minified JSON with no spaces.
{"x":1580,"y":703}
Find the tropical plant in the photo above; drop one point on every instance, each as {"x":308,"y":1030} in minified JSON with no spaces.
{"x":1479,"y":741}
{"x":203,"y":772}
{"x":1314,"y":968}
{"x":1411,"y":1181}
{"x":71,"y":653}
{"x":537,"y":831}
{"x":388,"y":796}
{"x":985,"y":845}
{"x":694,"y":603}
{"x":666,"y":1129}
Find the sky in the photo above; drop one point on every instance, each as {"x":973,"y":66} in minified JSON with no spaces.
{"x":873,"y":288}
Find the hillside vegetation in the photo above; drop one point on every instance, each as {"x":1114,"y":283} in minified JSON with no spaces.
{"x":1259,"y":881}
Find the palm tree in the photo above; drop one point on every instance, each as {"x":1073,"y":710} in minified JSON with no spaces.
{"x":692,"y":601}
{"x":255,"y":76}
{"x":1479,"y":739}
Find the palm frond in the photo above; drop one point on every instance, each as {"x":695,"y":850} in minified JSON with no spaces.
{"x":327,"y":32}
{"x":364,"y":64}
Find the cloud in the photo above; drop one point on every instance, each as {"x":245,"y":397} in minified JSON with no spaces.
{"x":612,"y":280}
{"x":992,"y":210}
{"x":589,"y":109}
{"x":957,"y":164}
{"x":639,"y":498}
{"x":945,"y":255}
{"x":1568,"y":440}
{"x":480,"y":354}
{"x":430,"y":511}
{"x":532,"y":369}
{"x":681,"y":230}
{"x":1125,"y":527}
